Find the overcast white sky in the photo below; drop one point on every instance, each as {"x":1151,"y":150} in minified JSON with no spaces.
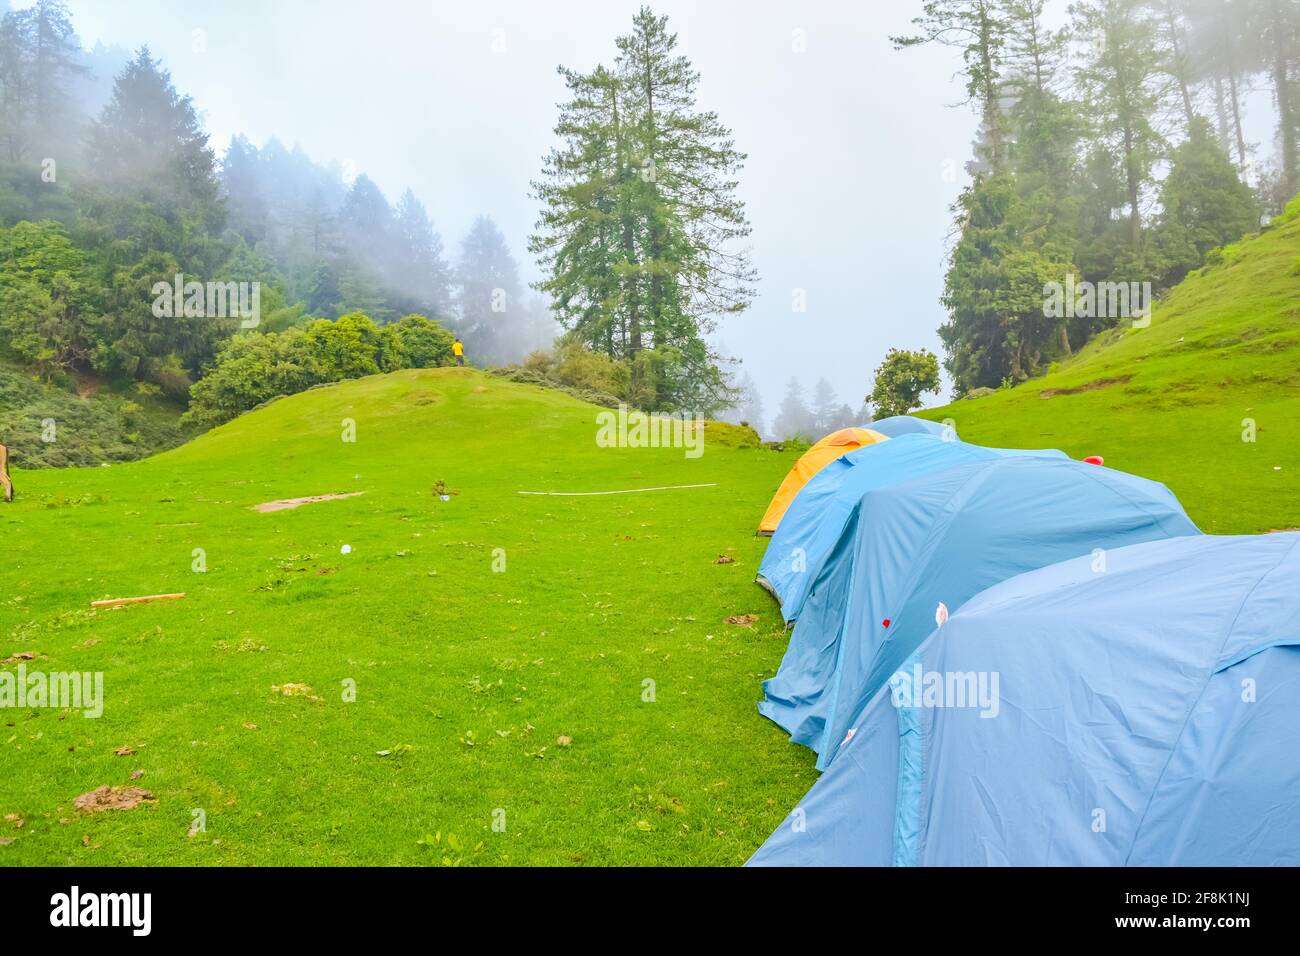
{"x":852,"y":146}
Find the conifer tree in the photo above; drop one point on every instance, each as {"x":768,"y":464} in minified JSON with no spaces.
{"x":978,"y":28}
{"x":640,"y":223}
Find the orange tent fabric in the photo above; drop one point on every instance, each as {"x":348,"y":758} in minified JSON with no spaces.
{"x":814,"y":460}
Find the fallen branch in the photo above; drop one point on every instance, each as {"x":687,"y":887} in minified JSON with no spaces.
{"x":119,"y":602}
{"x":629,"y":491}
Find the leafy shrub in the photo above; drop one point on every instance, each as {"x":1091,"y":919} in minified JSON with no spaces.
{"x":665,"y":379}
{"x":591,"y":376}
{"x":525,"y":376}
{"x":580,"y":368}
{"x":726,"y":435}
{"x":255,"y":367}
{"x":427,"y":343}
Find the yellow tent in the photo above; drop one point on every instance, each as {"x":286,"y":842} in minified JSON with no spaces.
{"x":814,"y":460}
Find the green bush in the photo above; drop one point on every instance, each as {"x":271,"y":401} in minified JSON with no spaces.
{"x":426,"y":342}
{"x":591,"y":376}
{"x":255,"y":367}
{"x":580,"y":368}
{"x":527,"y":376}
{"x":665,"y":379}
{"x":726,"y":435}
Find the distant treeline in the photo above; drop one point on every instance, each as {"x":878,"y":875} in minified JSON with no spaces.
{"x":1110,"y":151}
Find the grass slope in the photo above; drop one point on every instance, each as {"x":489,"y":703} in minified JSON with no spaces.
{"x":1169,"y":401}
{"x":467,"y":676}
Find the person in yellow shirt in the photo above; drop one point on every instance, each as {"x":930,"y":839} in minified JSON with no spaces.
{"x":458,"y":350}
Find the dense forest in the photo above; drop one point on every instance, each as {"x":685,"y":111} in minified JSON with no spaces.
{"x":109,"y":185}
{"x":1111,"y":152}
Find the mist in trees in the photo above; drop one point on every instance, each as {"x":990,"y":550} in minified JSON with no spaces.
{"x":809,"y":417}
{"x":1110,"y":150}
{"x":40,"y":59}
{"x":132,"y":198}
{"x":108,"y":184}
{"x":499,"y":322}
{"x":343,"y":247}
{"x":1114,"y":145}
{"x":748,"y":409}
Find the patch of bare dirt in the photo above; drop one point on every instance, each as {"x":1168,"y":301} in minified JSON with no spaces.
{"x":284,"y":504}
{"x":88,"y":386}
{"x":1093,"y":386}
{"x":112,"y":798}
{"x":724,"y":559}
{"x":21,"y":656}
{"x":295,"y":690}
{"x":742,"y":620}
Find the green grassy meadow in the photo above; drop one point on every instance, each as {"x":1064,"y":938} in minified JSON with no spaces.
{"x":468,"y":676}
{"x":468,"y":680}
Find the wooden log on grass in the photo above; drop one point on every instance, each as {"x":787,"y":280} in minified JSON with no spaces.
{"x":119,"y":602}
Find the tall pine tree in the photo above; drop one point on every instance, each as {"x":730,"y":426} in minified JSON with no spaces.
{"x":638,"y":234}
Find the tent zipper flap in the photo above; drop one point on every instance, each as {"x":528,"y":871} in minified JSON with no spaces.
{"x":907,"y":805}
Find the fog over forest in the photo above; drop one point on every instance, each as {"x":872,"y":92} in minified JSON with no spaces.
{"x":439,"y":117}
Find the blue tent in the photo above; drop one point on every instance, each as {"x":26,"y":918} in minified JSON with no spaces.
{"x":943,"y":538}
{"x":1142,"y":713}
{"x":898,"y":425}
{"x":818,"y":514}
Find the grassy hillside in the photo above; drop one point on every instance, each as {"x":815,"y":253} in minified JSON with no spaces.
{"x":487,"y":694}
{"x":1169,"y":401}
{"x":467,"y":677}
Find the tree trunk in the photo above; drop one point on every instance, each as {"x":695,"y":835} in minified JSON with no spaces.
{"x":1039,"y":82}
{"x":1134,"y":188}
{"x":630,"y":291}
{"x":1236,"y":101}
{"x":1221,"y":112}
{"x":1285,"y":117}
{"x":992,"y":109}
{"x":654,"y":233}
{"x":1180,"y":73}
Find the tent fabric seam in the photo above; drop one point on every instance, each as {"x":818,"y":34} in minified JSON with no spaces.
{"x":911,"y":770}
{"x":1141,"y":506}
{"x":1214,"y":669}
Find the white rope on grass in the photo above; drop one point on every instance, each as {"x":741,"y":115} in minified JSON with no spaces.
{"x":629,"y":491}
